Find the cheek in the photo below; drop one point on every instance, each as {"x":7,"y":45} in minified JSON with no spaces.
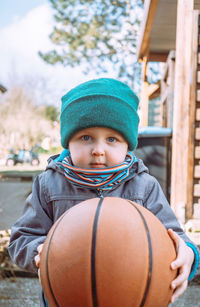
{"x":79,"y":155}
{"x":118,"y":155}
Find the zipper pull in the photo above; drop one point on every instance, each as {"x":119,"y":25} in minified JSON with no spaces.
{"x":100,"y":193}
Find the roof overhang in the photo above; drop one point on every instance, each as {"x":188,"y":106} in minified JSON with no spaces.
{"x":157,"y":34}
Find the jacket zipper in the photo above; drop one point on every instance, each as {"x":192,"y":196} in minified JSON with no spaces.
{"x":100,"y":193}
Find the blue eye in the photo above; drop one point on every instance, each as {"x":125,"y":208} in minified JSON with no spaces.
{"x":111,"y":139}
{"x":85,"y":137}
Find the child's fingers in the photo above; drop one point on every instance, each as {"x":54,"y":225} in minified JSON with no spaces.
{"x":179,"y":291}
{"x":37,"y":257}
{"x":180,"y":279}
{"x":177,"y":263}
{"x":174,"y":236}
{"x":39,"y":248}
{"x":37,"y":260}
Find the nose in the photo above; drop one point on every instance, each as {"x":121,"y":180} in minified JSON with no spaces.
{"x":98,"y":149}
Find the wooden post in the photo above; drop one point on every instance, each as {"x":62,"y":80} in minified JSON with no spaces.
{"x":193,"y":117}
{"x":183,"y":117}
{"x":144,"y":96}
{"x":170,"y":98}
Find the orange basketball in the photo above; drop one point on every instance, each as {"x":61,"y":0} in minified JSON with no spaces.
{"x":107,"y":252}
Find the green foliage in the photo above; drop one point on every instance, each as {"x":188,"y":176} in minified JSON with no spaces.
{"x":51,"y":151}
{"x":51,"y":113}
{"x":99,"y":34}
{"x":56,"y":150}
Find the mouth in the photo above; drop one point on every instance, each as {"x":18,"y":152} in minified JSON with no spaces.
{"x":97,"y":165}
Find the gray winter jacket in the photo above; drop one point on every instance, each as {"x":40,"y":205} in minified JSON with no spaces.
{"x":52,"y":195}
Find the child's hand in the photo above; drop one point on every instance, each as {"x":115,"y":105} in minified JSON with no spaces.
{"x":183,"y":263}
{"x":37,"y":258}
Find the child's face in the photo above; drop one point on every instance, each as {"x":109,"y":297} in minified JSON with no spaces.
{"x":97,"y":147}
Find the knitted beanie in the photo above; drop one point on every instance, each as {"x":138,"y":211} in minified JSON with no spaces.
{"x":101,"y":102}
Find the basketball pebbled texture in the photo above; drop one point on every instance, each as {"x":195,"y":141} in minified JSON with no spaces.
{"x":107,"y":252}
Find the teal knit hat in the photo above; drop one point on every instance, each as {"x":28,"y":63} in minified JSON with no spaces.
{"x":101,"y":102}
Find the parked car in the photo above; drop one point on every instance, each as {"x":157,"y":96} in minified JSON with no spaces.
{"x":23,"y":156}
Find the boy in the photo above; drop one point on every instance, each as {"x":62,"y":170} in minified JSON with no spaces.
{"x":99,"y":124}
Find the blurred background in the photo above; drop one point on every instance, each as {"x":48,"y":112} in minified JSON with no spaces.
{"x":48,"y":47}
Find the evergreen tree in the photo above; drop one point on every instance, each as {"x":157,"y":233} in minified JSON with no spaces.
{"x":100,"y":35}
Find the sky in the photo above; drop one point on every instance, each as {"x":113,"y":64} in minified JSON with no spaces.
{"x":25,"y":26}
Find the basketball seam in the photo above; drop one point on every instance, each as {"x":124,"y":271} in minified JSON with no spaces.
{"x":150,"y":255}
{"x":93,"y":254}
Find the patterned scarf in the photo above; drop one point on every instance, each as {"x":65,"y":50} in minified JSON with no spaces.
{"x":101,"y":179}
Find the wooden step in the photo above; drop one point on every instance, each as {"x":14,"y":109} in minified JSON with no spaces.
{"x":197,"y":133}
{"x":198,"y":114}
{"x":196,"y":190}
{"x":198,"y":95}
{"x":197,"y":152}
{"x":197,"y":171}
{"x":196,"y":211}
